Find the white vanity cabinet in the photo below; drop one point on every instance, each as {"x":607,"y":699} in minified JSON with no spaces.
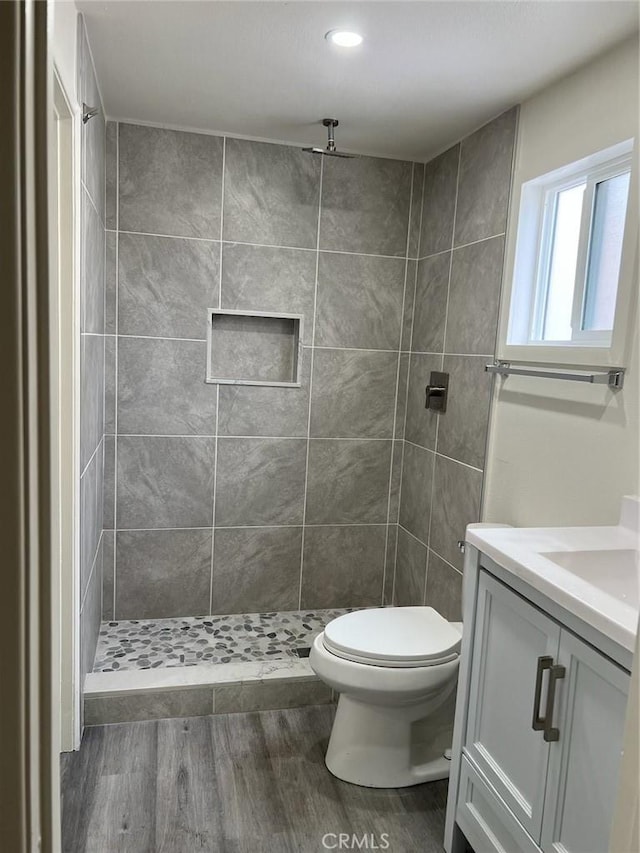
{"x":538,"y":742}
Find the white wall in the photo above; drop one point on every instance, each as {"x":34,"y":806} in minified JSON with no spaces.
{"x":563,"y":453}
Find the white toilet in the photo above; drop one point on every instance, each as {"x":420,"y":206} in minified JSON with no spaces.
{"x":393,"y":667}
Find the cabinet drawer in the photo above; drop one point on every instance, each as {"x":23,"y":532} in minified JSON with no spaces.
{"x":485,"y":820}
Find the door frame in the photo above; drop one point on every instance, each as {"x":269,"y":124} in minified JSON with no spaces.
{"x":65,"y":414}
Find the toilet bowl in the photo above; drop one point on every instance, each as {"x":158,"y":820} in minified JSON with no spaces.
{"x":395,"y":668}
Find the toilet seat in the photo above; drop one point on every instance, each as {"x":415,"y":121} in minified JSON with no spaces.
{"x":393,"y":637}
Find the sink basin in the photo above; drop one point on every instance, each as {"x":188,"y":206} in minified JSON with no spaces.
{"x":616,"y":573}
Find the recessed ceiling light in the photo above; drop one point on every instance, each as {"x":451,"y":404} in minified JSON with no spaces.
{"x":344,"y":38}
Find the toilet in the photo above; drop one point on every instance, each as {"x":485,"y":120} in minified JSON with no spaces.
{"x":395,"y":668}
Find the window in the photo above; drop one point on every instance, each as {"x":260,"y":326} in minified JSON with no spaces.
{"x":569,"y":252}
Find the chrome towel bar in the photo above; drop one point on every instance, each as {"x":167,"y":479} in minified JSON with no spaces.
{"x":614,"y":377}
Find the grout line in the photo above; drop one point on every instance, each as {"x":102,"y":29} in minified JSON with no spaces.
{"x":90,"y":197}
{"x":252,"y":527}
{"x":450,"y":354}
{"x":104,"y":353}
{"x":215,"y":444}
{"x":256,"y":437}
{"x":440,"y":557}
{"x":444,"y":456}
{"x":455,"y":248}
{"x":161,"y":338}
{"x":453,"y":231}
{"x":395,"y":573}
{"x":170,"y":236}
{"x":315,"y":250}
{"x":91,"y":458}
{"x":353,"y":349}
{"x":413,"y":536}
{"x":395,"y":400}
{"x":115,"y":380}
{"x":204,"y":340}
{"x":91,"y":574}
{"x":313,"y":340}
{"x":406,"y":396}
{"x":444,"y":347}
{"x":213,"y":502}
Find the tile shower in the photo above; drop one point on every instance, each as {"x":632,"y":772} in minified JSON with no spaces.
{"x":231,"y":499}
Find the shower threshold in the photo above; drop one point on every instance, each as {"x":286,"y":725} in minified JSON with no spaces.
{"x":192,"y":666}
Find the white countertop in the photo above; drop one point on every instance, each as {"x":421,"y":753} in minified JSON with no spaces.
{"x":600,"y":579}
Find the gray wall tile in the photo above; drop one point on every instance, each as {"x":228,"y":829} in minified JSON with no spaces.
{"x":431,"y":303}
{"x":348,"y":481}
{"x":415,"y":501}
{"x":416,"y":210}
{"x":270,"y":194}
{"x":365,"y":205}
{"x":409,"y":298}
{"x":256,"y":569}
{"x":91,"y":395}
{"x":108,"y":566}
{"x":108,"y":510}
{"x":170,"y":182}
{"x":162,"y":388}
{"x":485,"y":179}
{"x":260,"y":481}
{"x":456,"y":503}
{"x":111,"y":282}
{"x":110,"y":361}
{"x":103,"y":710}
{"x":90,"y":615}
{"x":359,"y":301}
{"x":270,"y":696}
{"x":439,"y":202}
{"x":401,"y":397}
{"x":474,"y":298}
{"x":264,"y":278}
{"x":463,"y":428}
{"x":421,"y":423}
{"x":166,"y":286}
{"x":165,"y":482}
{"x":411,"y":568}
{"x":256,"y":410}
{"x":111,"y":175}
{"x":390,"y":569}
{"x":93,"y":268}
{"x":343,"y":566}
{"x":353,"y":394}
{"x":162,"y":573}
{"x":444,"y":589}
{"x":90,"y":518}
{"x":396,"y":479}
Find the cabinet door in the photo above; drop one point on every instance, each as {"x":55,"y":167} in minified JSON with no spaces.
{"x":510,"y":637}
{"x":590,"y":711}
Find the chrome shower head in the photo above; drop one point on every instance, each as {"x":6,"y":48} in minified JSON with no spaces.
{"x":330,"y":150}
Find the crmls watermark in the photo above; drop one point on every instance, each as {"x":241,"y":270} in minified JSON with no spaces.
{"x":350,"y":841}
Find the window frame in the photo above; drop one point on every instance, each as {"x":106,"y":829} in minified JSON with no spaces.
{"x":528,"y":255}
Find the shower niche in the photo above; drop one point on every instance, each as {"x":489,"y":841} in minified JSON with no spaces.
{"x":254,"y":348}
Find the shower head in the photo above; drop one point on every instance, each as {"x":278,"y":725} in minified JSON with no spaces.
{"x":330,"y":150}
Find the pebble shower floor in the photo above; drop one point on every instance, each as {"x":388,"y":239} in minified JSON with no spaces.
{"x":192,"y":640}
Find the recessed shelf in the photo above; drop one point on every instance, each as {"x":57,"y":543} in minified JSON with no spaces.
{"x":254,"y":348}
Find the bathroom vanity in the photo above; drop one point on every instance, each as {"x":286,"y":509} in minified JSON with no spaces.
{"x":550,"y":620}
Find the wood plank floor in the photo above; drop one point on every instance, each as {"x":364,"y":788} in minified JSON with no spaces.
{"x":235,"y":783}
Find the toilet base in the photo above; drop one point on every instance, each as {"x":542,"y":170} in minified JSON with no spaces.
{"x":376,"y":746}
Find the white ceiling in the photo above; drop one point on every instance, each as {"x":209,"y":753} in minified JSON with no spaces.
{"x":427,"y":73}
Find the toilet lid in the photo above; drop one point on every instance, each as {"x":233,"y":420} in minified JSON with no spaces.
{"x":393,"y":637}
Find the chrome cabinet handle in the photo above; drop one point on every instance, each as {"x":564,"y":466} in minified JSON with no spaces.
{"x":544,"y":662}
{"x":550,"y":733}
